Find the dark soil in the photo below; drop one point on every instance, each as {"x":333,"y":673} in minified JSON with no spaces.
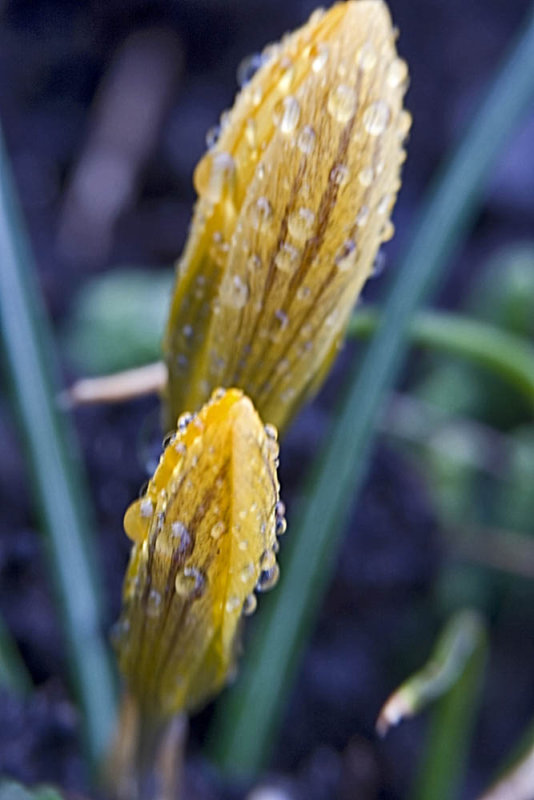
{"x":58,"y":61}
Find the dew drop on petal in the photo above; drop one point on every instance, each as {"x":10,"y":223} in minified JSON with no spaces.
{"x":287,"y":257}
{"x":306,"y":140}
{"x":346,"y":254}
{"x":146,"y":508}
{"x":268,"y":578}
{"x":366,"y":58}
{"x":217,"y":530}
{"x":250,"y":604}
{"x":234,"y":292}
{"x":365,"y":176}
{"x":339,"y":174}
{"x":342,"y":102}
{"x":319,"y":54}
{"x":388,"y":231}
{"x":376,"y":118}
{"x":261,"y":213}
{"x":153,"y":603}
{"x":190,"y":583}
{"x":300,"y":224}
{"x":397,"y":73}
{"x":247,"y":68}
{"x":232,"y":604}
{"x":286,"y":114}
{"x":362,"y":216}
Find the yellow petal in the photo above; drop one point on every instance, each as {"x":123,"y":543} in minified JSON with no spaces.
{"x":204,"y":537}
{"x":294,"y":201}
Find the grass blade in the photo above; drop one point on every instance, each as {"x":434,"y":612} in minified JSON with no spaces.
{"x":248,"y":716}
{"x":506,"y":355}
{"x":58,"y":485}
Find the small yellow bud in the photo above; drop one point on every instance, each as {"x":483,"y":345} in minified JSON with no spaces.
{"x":204,"y":538}
{"x":295,"y":199}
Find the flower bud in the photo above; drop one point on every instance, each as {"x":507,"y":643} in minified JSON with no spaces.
{"x":294,"y":201}
{"x":204,"y":536}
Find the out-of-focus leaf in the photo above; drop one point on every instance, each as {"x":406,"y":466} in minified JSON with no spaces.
{"x":461,"y":657}
{"x":10,"y":790}
{"x":454,"y":648}
{"x":118,"y":319}
{"x":13,"y":672}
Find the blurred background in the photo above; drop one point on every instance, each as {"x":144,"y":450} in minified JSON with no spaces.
{"x":105,"y":109}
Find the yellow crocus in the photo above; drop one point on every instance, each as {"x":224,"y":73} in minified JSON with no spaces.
{"x":205,"y":537}
{"x":294,"y":200}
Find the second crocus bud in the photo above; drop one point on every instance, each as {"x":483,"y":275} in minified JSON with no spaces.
{"x":205,"y":538}
{"x":295,"y":198}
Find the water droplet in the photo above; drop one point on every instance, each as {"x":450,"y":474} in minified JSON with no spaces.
{"x":254,"y":262}
{"x":234,"y":292}
{"x":306,"y":140}
{"x":250,"y":604}
{"x":153,"y":603}
{"x":300,"y":224}
{"x":346,"y":255}
{"x":187,"y":331}
{"x":365,"y":176}
{"x":271,"y":432}
{"x":248,"y":68}
{"x":405,"y":122}
{"x":280,"y":509}
{"x":286,"y":114}
{"x":180,"y":537}
{"x":287,"y":257}
{"x":281,"y":526}
{"x":190,"y":583}
{"x":384,"y":204}
{"x":303,"y":292}
{"x":214,"y":175}
{"x":388,"y":231}
{"x":180,"y":448}
{"x":218,"y":393}
{"x":288,"y":74}
{"x":342,"y":102}
{"x":183,"y":421}
{"x":397,"y":73}
{"x":268,"y":579}
{"x":212,"y":135}
{"x":217,"y":530}
{"x":247,"y":572}
{"x":267,"y":561}
{"x":362,"y":216}
{"x":146,"y":508}
{"x":339,"y":174}
{"x":366,"y":58}
{"x":250,"y":132}
{"x":379,"y":264}
{"x":376,"y":118}
{"x":319,"y":54}
{"x":261,"y":213}
{"x":233,"y":603}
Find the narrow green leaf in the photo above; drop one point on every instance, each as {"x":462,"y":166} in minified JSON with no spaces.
{"x":509,"y":356}
{"x":250,"y":714}
{"x":56,"y":472}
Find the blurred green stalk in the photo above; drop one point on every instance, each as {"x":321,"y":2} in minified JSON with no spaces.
{"x":248,"y":717}
{"x":13,"y":673}
{"x":57,"y":479}
{"x":507,"y":355}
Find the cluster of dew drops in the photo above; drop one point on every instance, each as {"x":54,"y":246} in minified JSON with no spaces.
{"x":219,"y":168}
{"x":191,"y":581}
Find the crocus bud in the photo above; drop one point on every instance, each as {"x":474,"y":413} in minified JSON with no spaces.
{"x":294,"y":201}
{"x":205,"y":537}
